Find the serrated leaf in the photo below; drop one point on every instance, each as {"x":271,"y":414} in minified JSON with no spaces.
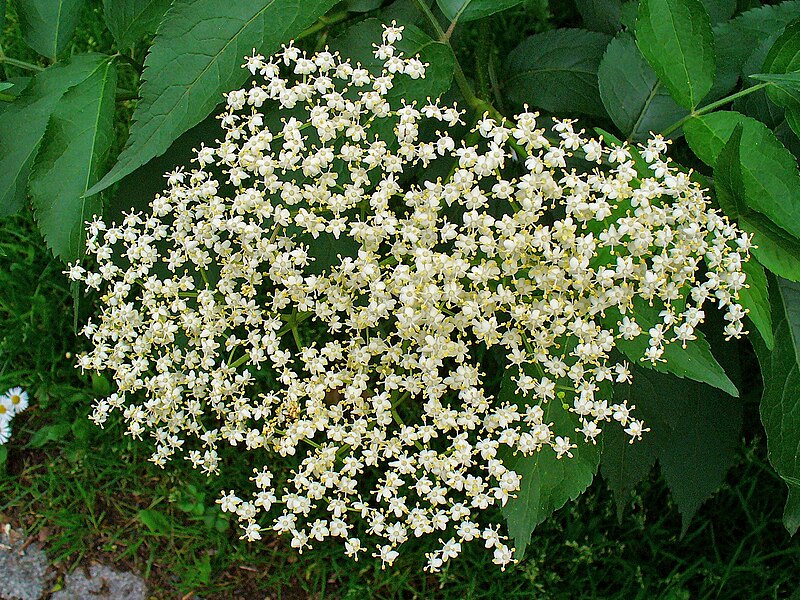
{"x":547,"y":482}
{"x":622,"y":464}
{"x":781,"y":67}
{"x":728,"y":180}
{"x":557,"y":71}
{"x":693,"y":362}
{"x":694,"y":430}
{"x":769,"y":170}
{"x":472,"y":10}
{"x":780,"y":403}
{"x":601,"y":15}
{"x":736,"y":40}
{"x":196,"y":56}
{"x":793,"y":119}
{"x":634,"y":98}
{"x":70,"y":160}
{"x":719,"y":11}
{"x":24,"y":121}
{"x":131,"y":20}
{"x":47,"y":25}
{"x":675,"y":37}
{"x":49,"y":433}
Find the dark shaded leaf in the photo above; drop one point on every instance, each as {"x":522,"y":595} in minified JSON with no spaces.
{"x":634,"y":98}
{"x":48,"y":25}
{"x":472,"y":10}
{"x":557,"y":71}
{"x":131,"y":20}
{"x":780,"y":404}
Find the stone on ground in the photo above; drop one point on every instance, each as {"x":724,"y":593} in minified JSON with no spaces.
{"x":23,"y":569}
{"x":100,"y":582}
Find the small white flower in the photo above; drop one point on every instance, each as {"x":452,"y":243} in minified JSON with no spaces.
{"x":18,"y":399}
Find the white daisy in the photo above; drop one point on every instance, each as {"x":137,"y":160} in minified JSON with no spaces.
{"x":6,"y":408}
{"x":18,"y":398}
{"x":5,"y":430}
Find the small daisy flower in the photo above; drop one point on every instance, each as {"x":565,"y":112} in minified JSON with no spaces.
{"x":18,"y":398}
{"x":6,"y":408}
{"x":5,"y":430}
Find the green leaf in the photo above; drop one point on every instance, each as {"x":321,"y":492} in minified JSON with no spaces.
{"x":693,"y":362}
{"x":547,"y":482}
{"x":557,"y":71}
{"x":728,"y":180}
{"x":131,"y":20}
{"x":601,"y":15}
{"x":755,"y":298}
{"x":736,"y":40}
{"x":793,"y":119}
{"x":622,"y":464}
{"x":772,"y":246}
{"x":472,"y":10}
{"x":769,"y":170}
{"x":780,"y":403}
{"x":196,"y":56}
{"x":694,"y":431}
{"x":24,"y":121}
{"x":675,"y":37}
{"x":48,"y":25}
{"x":635,"y":99}
{"x":3,"y":458}
{"x":155,"y":521}
{"x":49,"y":433}
{"x":71,"y":158}
{"x":783,"y":64}
{"x":719,"y":10}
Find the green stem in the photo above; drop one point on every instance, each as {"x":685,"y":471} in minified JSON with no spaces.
{"x":714,"y":105}
{"x":324,"y":22}
{"x":6,"y":97}
{"x":458,"y":73}
{"x":20,"y":63}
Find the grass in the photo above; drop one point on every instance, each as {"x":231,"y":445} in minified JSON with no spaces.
{"x":90,"y":494}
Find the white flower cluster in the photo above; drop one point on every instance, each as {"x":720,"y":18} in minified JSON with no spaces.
{"x":13,"y":402}
{"x":381,"y":428}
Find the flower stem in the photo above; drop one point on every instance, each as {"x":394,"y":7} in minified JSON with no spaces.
{"x":714,"y":105}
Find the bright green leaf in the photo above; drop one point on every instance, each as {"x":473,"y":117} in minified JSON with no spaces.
{"x":547,"y":482}
{"x":675,"y":37}
{"x":728,"y":180}
{"x":196,"y":56}
{"x":782,"y":64}
{"x":49,"y":433}
{"x":131,"y":20}
{"x":23,"y":123}
{"x":557,"y":71}
{"x":693,"y":362}
{"x":472,"y":10}
{"x":755,"y":298}
{"x":736,"y":40}
{"x":780,"y":404}
{"x":71,"y":158}
{"x":155,"y":521}
{"x":5,"y":85}
{"x":48,"y":25}
{"x":769,"y":170}
{"x":635,"y":99}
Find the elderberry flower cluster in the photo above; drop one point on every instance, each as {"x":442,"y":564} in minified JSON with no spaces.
{"x":381,"y":427}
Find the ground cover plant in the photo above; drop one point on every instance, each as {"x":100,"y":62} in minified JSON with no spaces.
{"x":390,"y":299}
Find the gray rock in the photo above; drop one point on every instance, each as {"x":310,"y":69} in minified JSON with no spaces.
{"x":100,"y":582}
{"x":24,"y":571}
